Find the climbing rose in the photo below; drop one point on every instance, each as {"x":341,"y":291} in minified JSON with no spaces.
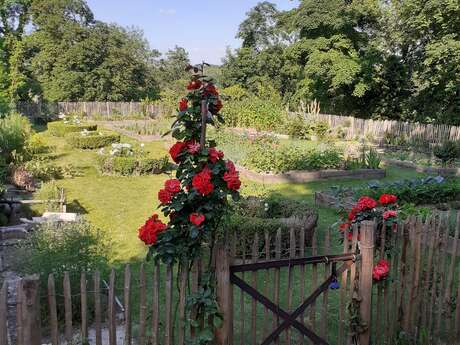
{"x":352,"y":214}
{"x":196,"y":218}
{"x":193,"y":147}
{"x":214,"y":155}
{"x":183,"y":104}
{"x":344,"y":226}
{"x":366,"y":203}
{"x":194,"y":85}
{"x":149,"y":231}
{"x":386,"y":199}
{"x":389,"y":214}
{"x":164,"y":196}
{"x":210,"y":89}
{"x":381,"y":270}
{"x":176,"y":150}
{"x":233,"y":180}
{"x":218,"y":106}
{"x":230,"y":166}
{"x":202,"y":182}
{"x":172,"y":186}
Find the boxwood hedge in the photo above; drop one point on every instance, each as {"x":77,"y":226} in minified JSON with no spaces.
{"x":60,"y":129}
{"x":127,"y":166}
{"x":92,"y":140}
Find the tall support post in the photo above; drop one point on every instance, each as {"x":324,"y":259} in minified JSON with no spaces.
{"x":365,"y":278}
{"x":224,"y":295}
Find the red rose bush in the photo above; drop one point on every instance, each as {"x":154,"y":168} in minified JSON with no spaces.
{"x":196,"y":199}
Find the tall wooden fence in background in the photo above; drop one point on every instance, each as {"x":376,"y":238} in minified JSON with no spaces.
{"x":259,"y":294}
{"x":89,"y":109}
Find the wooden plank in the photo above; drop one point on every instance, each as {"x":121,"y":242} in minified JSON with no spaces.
{"x":30,"y":310}
{"x":314,"y":283}
{"x":183,"y":279}
{"x":431,"y":305}
{"x":415,"y":310}
{"x":379,"y":306}
{"x":142,"y":305}
{"x":224,"y":335}
{"x":442,"y":278}
{"x":327,"y":273}
{"x":84,"y":308}
{"x":242,"y":314}
{"x":4,"y":315}
{"x":127,"y":305}
{"x":195,"y":281}
{"x":168,"y":335}
{"x":97,"y":307}
{"x":267,"y":279}
{"x":290,"y":289}
{"x":67,"y":307}
{"x":19,"y":318}
{"x":111,"y":310}
{"x":277,"y":280}
{"x":343,"y":290}
{"x":450,"y":276}
{"x":52,"y":311}
{"x":155,"y":304}
{"x":427,"y":278}
{"x":255,"y":257}
{"x":302,"y":276}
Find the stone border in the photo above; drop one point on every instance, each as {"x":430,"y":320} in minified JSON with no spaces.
{"x":302,"y":176}
{"x":423,"y":169}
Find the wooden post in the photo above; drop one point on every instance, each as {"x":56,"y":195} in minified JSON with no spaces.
{"x":30,"y":311}
{"x":127,"y":302}
{"x":204,"y":116}
{"x":365,"y":278}
{"x":67,"y":308}
{"x":143,"y":305}
{"x":3,"y":314}
{"x":97,"y":307}
{"x":84,"y":308}
{"x":111,"y":309}
{"x":224,"y":296}
{"x":53,"y":311}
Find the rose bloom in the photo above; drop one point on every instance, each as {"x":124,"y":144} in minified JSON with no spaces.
{"x":233,"y":180}
{"x":176,"y":150}
{"x":172,"y":186}
{"x":230,"y":166}
{"x":210,"y":89}
{"x":164,"y":196}
{"x":219,"y":105}
{"x":344,"y":226}
{"x":381,"y":270}
{"x":202,"y":182}
{"x":352,"y":214}
{"x":183,"y":104}
{"x":386,"y":199}
{"x":149,"y":231}
{"x":194,"y":85}
{"x":197,"y":218}
{"x":193,"y":147}
{"x":214,"y":155}
{"x":389,"y":214}
{"x":366,"y":203}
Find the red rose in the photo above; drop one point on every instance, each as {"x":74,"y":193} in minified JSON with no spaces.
{"x":164,"y":196}
{"x":197,"y":218}
{"x":176,"y":150}
{"x":219,"y":105}
{"x":389,"y":214}
{"x":344,"y":226}
{"x":233,"y":180}
{"x":230,"y":166}
{"x":194,"y":85}
{"x":366,"y":203}
{"x":172,"y":186}
{"x":202,"y":182}
{"x":183,"y":104}
{"x":149,"y":231}
{"x":193,"y":147}
{"x":210,"y":89}
{"x":214,"y":155}
{"x":381,"y":270}
{"x":386,"y":199}
{"x":352,"y":214}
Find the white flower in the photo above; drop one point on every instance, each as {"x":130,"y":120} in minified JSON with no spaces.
{"x":142,"y":145}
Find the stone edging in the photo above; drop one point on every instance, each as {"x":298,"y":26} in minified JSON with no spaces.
{"x":423,"y":169}
{"x":302,"y":176}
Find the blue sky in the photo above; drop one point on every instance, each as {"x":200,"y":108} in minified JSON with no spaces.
{"x":205,"y":28}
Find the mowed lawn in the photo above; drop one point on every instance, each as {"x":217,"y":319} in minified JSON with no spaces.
{"x":119,"y":205}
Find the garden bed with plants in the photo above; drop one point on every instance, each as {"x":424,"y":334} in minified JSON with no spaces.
{"x":91,"y":140}
{"x":62,"y":128}
{"x":143,"y":130}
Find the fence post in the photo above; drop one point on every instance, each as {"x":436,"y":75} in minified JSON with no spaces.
{"x":365,"y":278}
{"x":224,"y":295}
{"x":30,"y":310}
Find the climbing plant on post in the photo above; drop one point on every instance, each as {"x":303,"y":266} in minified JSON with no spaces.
{"x":197,"y":199}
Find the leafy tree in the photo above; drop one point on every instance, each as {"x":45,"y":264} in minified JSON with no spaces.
{"x":172,"y":68}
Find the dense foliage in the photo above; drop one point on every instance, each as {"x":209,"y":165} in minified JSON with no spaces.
{"x":61,"y":129}
{"x":392,"y":59}
{"x":92,"y":140}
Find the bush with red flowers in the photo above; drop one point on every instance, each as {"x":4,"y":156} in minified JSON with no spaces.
{"x":383,"y":211}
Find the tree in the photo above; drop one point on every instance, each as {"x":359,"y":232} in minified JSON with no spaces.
{"x":172,"y":66}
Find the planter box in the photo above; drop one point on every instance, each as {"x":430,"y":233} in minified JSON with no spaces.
{"x":302,"y":176}
{"x":423,"y":169}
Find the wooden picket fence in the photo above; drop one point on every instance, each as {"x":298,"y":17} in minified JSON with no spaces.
{"x":36,"y":110}
{"x":273,"y":288}
{"x":355,"y":127}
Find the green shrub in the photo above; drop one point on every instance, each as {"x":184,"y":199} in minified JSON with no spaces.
{"x":92,"y":140}
{"x":127,"y":166}
{"x":447,"y":152}
{"x":60,"y":129}
{"x":49,"y":191}
{"x":15,"y":130}
{"x":42,"y":169}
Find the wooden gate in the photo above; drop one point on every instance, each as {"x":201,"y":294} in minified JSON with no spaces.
{"x":277,"y":284}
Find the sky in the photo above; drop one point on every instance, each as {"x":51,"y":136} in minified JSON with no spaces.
{"x":204,"y":28}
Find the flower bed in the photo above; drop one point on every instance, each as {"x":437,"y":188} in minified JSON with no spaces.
{"x":125,"y":160}
{"x":91,"y":140}
{"x":424,"y":169}
{"x":61,"y":129}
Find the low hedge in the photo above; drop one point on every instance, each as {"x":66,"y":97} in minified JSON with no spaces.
{"x":127,"y":166}
{"x":92,"y":140}
{"x":60,"y":129}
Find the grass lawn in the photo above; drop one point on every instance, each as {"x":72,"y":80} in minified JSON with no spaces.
{"x":119,"y":205}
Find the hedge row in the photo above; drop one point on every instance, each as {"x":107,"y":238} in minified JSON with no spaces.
{"x":93,"y":140}
{"x":60,"y":129}
{"x":127,"y":166}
